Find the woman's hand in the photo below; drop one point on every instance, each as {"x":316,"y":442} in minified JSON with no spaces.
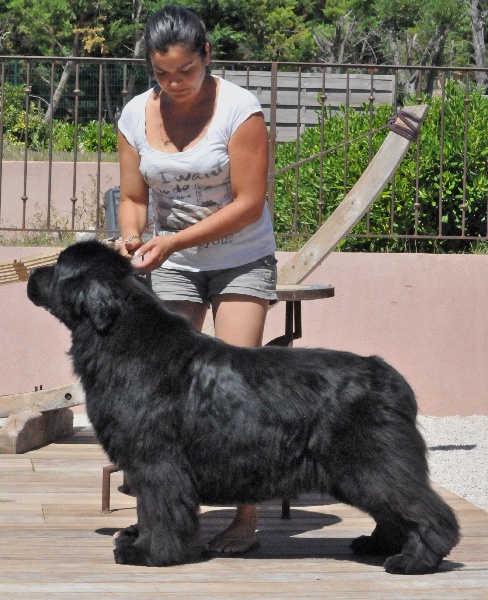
{"x":128,"y":248}
{"x":153,"y":253}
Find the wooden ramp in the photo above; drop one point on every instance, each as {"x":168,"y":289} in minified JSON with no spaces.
{"x":56,"y":543}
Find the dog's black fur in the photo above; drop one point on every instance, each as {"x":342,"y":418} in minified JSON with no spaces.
{"x":193,"y":420}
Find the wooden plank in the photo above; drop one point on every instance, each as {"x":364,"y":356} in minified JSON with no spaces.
{"x":12,"y":271}
{"x":288,"y":117}
{"x":287,"y":133}
{"x":8,"y":274}
{"x":293,"y":98}
{"x":43,"y":400}
{"x":42,"y":260}
{"x":24,"y":431}
{"x":290,"y":80}
{"x":354,"y":206}
{"x":317,"y":584}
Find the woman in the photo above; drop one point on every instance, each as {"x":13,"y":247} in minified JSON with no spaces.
{"x":200,"y":143}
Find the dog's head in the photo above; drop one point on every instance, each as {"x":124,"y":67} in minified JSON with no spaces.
{"x":85,"y":283}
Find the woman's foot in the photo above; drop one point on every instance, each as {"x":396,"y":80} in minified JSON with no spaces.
{"x":240,"y":536}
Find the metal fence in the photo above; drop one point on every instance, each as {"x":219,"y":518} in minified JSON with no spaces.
{"x":325,"y":124}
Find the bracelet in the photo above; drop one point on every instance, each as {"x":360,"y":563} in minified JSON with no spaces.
{"x":132,"y":237}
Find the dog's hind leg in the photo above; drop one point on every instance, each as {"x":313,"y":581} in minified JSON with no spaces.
{"x":167,"y":507}
{"x":131,"y":532}
{"x":379,"y":465}
{"x":416,"y":527}
{"x":432,"y":532}
{"x":387,"y":538}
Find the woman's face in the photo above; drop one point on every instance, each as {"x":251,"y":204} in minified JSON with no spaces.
{"x":179,"y":73}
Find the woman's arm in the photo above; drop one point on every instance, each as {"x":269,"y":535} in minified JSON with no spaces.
{"x":133,"y":197}
{"x":248,"y":156}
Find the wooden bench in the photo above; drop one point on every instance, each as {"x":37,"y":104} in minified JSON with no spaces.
{"x":13,"y":271}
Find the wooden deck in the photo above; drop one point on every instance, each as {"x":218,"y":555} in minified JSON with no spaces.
{"x":56,"y":543}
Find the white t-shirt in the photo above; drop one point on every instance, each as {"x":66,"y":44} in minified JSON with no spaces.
{"x":188,"y":186}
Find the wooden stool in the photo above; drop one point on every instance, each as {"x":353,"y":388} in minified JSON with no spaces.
{"x":107,"y":471}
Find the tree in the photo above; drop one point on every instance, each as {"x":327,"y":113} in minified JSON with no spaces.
{"x":5,"y":29}
{"x":413,"y":32}
{"x":273,"y":30}
{"x":334,"y":41}
{"x":396,"y":18}
{"x":59,"y":28}
{"x":427,"y":32}
{"x":477,"y":13}
{"x":335,"y":32}
{"x":438,"y":20}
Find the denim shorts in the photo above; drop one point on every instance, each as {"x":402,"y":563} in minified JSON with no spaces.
{"x":257,"y":279}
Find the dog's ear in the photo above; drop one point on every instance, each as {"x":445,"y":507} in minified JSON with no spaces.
{"x":101,"y":305}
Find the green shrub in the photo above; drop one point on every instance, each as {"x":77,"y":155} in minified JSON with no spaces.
{"x":14,"y":119}
{"x":63,"y":136}
{"x":88,"y":137}
{"x":14,"y":122}
{"x":400,"y":206}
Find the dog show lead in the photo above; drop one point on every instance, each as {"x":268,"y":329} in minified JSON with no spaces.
{"x":200,"y":144}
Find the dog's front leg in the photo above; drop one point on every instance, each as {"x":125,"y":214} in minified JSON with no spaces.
{"x":167,"y":507}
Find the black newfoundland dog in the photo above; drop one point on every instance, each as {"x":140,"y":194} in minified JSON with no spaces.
{"x":193,"y":420}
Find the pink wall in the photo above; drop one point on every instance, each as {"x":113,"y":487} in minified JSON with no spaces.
{"x":12,"y":183}
{"x":424,"y":314}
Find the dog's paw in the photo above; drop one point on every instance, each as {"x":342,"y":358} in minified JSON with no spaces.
{"x":402,"y":564}
{"x":126,"y":553}
{"x":129,"y":532}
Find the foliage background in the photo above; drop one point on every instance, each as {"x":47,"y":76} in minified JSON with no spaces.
{"x":381,"y":31}
{"x":398,"y":220}
{"x":394,"y":215}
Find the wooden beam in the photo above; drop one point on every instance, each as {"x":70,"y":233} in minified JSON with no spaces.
{"x":354,"y":206}
{"x":42,"y":400}
{"x":27,"y":430}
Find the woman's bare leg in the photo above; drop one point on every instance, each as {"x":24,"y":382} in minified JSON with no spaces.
{"x":195,"y":312}
{"x":239,"y":320}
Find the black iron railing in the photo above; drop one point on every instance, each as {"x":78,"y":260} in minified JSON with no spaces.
{"x":325,"y":124}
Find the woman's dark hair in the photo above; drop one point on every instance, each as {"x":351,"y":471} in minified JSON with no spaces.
{"x":174,"y":25}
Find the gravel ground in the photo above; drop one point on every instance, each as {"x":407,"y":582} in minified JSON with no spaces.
{"x":458,"y":453}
